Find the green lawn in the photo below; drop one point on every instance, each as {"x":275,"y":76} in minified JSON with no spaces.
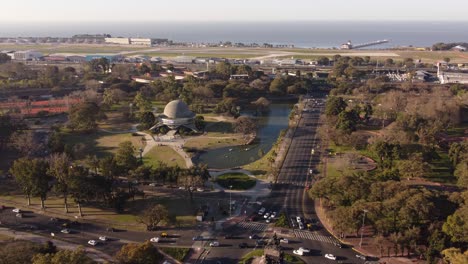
{"x":101,"y":143}
{"x":246,"y":259}
{"x":238,"y":181}
{"x":206,"y":143}
{"x":165,"y":154}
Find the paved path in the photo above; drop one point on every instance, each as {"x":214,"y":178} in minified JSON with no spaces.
{"x":96,"y":255}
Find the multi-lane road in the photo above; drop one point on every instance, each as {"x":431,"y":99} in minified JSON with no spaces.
{"x":289,"y":195}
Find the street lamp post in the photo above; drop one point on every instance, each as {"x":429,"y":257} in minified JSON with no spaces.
{"x":362,"y":228}
{"x":230,"y":200}
{"x":141,"y":155}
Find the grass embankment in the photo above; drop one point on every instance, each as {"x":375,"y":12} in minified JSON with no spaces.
{"x":164,"y":154}
{"x":238,"y":181}
{"x":177,"y":253}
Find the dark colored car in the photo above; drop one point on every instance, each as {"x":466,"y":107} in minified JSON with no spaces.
{"x":243,"y":245}
{"x":254,"y":236}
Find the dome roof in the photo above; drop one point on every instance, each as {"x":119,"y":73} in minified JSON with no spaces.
{"x":177,"y":109}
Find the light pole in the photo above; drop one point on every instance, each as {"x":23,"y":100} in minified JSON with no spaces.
{"x":230,"y":202}
{"x":362,"y":228}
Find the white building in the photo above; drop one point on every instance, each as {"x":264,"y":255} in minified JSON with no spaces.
{"x":183,"y":59}
{"x":140,"y":41}
{"x":27,"y":55}
{"x":121,"y":41}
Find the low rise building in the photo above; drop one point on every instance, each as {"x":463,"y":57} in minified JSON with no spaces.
{"x":141,"y":41}
{"x":121,"y":41}
{"x":26,"y":55}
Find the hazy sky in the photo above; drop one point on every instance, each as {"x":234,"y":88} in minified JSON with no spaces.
{"x":220,"y":10}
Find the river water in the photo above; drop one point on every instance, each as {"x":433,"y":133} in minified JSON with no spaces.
{"x":270,"y":127}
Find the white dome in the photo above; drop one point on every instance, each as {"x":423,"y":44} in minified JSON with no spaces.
{"x":177,"y":109}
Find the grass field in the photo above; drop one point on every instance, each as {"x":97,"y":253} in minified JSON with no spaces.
{"x":238,"y":181}
{"x":165,"y":154}
{"x":101,"y":143}
{"x":206,"y":143}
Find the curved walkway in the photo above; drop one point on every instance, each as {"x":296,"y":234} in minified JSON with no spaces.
{"x":260,"y":189}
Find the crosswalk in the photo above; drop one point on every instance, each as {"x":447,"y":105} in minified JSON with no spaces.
{"x":314,"y":236}
{"x":260,"y":227}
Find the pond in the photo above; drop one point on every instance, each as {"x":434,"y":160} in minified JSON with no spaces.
{"x":270,"y":127}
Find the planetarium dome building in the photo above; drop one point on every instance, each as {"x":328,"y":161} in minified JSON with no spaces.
{"x":176,"y":114}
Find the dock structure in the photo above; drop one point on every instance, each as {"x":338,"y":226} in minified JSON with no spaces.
{"x":349,"y":45}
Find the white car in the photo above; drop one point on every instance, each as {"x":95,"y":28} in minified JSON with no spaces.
{"x":330,"y":256}
{"x":273,"y":215}
{"x":298,"y":219}
{"x":214,"y":244}
{"x":200,"y":190}
{"x":103,"y":238}
{"x":16,"y":210}
{"x":65,"y":231}
{"x":305,"y":250}
{"x":284,"y":240}
{"x":301,"y":226}
{"x":93,"y":242}
{"x":298,"y":252}
{"x":266,"y":215}
{"x":154,"y":239}
{"x":152,"y":184}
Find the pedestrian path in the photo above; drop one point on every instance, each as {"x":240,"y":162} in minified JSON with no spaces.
{"x":314,"y":236}
{"x":260,"y":227}
{"x":295,"y":183}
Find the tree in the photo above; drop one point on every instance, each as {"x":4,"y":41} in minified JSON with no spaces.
{"x":245,"y":125}
{"x":59,"y":168}
{"x":142,"y":102}
{"x":414,"y":167}
{"x":125,"y":156}
{"x":447,"y":59}
{"x":83,"y":116}
{"x":192,"y":177}
{"x":63,"y":256}
{"x":323,"y":61}
{"x":454,"y":256}
{"x":152,"y":216}
{"x":7,"y":128}
{"x":80,"y":187}
{"x":25,"y":142}
{"x":4,"y":58}
{"x":278,"y":86}
{"x":22,"y":252}
{"x":461,"y":172}
{"x":334,"y":106}
{"x":144,"y":253}
{"x":456,"y":225}
{"x":147,"y":120}
{"x":32,"y":176}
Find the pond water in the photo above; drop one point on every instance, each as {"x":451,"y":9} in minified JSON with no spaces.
{"x":270,"y":127}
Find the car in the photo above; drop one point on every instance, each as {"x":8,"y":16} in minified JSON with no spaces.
{"x":197,"y":238}
{"x":338,"y":244}
{"x":16,"y":210}
{"x":330,"y":256}
{"x":214,"y":244}
{"x":298,"y":219}
{"x":259,"y":243}
{"x":243,"y":245}
{"x":268,"y":220}
{"x":254,"y":236}
{"x":303,"y":249}
{"x":103,"y":238}
{"x":93,"y":242}
{"x":298,"y":252}
{"x":163,"y":234}
{"x":152,"y":184}
{"x":266,"y":215}
{"x":181,"y":188}
{"x":301,"y":225}
{"x":19,"y":215}
{"x":361,"y":257}
{"x":284,"y":240}
{"x":273,"y":215}
{"x":200,"y":190}
{"x":110,"y":229}
{"x":65,"y":231}
{"x":154,"y":239}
